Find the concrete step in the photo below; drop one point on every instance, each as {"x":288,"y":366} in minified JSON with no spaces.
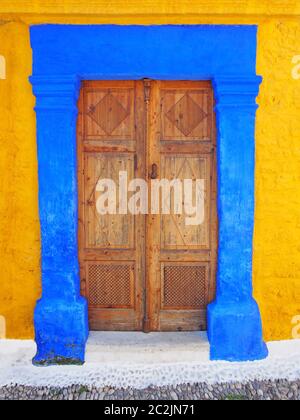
{"x":137,"y":347}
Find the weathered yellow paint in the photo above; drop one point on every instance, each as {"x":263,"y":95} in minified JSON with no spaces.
{"x":277,"y":231}
{"x":152,"y":7}
{"x":19,"y":226}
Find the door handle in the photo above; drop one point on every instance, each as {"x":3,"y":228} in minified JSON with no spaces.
{"x":154,"y":171}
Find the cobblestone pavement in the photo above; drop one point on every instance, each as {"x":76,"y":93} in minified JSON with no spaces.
{"x":267,"y":390}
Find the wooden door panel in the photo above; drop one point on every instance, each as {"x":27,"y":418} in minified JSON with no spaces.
{"x":111,"y":139}
{"x":110,"y":285}
{"x":107,"y":230}
{"x":110,"y":113}
{"x":184,"y":286}
{"x":189,"y":320}
{"x":182,"y":257}
{"x":176,"y":233}
{"x":122,"y":320}
{"x":154,"y":272}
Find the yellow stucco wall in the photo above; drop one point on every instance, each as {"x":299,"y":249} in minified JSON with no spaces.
{"x":277,"y":231}
{"x":19,"y":226}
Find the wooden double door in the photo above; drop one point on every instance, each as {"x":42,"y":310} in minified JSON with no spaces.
{"x":155,"y":271}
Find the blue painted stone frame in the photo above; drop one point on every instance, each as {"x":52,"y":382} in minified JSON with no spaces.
{"x":63,"y":56}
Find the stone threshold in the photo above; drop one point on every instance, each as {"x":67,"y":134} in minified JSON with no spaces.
{"x":139,"y":361}
{"x":152,"y":348}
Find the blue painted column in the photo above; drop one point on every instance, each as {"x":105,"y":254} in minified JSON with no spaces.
{"x":234,"y":322}
{"x":61,"y":322}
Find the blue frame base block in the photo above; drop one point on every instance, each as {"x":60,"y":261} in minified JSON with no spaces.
{"x":235,"y":331}
{"x":61,"y":329}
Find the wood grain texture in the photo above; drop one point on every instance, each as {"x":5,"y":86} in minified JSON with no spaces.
{"x":182,"y":143}
{"x":154,"y":272}
{"x":111,"y":246}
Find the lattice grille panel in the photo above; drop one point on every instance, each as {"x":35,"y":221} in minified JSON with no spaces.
{"x":185,"y":287}
{"x":110,"y":286}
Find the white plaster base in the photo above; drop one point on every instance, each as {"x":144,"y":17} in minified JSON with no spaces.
{"x":138,"y":360}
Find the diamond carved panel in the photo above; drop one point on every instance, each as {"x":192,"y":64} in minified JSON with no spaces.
{"x":109,"y":113}
{"x":186,"y":115}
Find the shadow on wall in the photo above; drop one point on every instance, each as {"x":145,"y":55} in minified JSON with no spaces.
{"x":2,"y":68}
